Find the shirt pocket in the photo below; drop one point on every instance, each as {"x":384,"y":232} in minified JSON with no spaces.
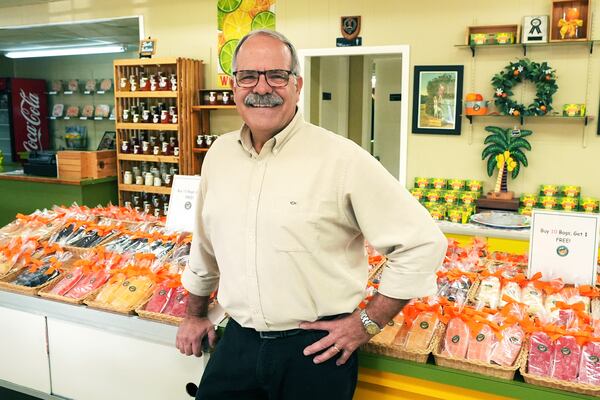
{"x":294,"y":224}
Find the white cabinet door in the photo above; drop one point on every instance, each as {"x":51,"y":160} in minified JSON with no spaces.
{"x":23,"y":354}
{"x":90,"y":364}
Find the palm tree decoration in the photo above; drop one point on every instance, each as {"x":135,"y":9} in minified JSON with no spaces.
{"x":504,"y":151}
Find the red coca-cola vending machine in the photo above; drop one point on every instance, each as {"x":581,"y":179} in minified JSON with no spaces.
{"x":23,"y":116}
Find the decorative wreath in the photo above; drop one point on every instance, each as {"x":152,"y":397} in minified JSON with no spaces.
{"x":514,"y":73}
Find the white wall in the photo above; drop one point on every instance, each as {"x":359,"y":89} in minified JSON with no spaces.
{"x":388,"y":72}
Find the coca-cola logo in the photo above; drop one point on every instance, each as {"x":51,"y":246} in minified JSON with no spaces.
{"x":30,"y":110}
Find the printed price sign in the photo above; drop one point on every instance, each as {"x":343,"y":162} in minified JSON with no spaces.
{"x":182,"y":204}
{"x":564,"y":245}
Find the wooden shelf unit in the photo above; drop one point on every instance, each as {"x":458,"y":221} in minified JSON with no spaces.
{"x":197,"y":150}
{"x":190,"y":78}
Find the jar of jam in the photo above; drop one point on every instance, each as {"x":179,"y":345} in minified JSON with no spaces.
{"x":168,"y":181}
{"x":155,"y":118}
{"x":149,"y":179}
{"x":144,"y":84}
{"x":146,"y":148}
{"x":126,"y":115}
{"x":163,"y":81}
{"x":173,"y":83}
{"x":156,"y":150}
{"x":125,"y":147}
{"x":124,"y":84}
{"x":165,"y":117}
{"x":153,"y":83}
{"x":165,"y":209}
{"x":200,"y":141}
{"x":139,"y":180}
{"x":165,"y":149}
{"x":128,"y":178}
{"x":133,"y":84}
{"x":208,"y":139}
{"x":146,"y":116}
{"x":157,"y":212}
{"x":174,"y":118}
{"x":136,"y":118}
{"x":176,"y":151}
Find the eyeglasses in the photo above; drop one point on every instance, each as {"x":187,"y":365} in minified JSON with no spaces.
{"x":275,"y":77}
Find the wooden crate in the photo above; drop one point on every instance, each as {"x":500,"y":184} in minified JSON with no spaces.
{"x":77,"y":165}
{"x":560,"y":9}
{"x":492,"y":29}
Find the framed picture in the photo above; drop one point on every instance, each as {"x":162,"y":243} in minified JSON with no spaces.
{"x":147,"y":47}
{"x":437,"y":99}
{"x":108,"y":141}
{"x":535,"y":29}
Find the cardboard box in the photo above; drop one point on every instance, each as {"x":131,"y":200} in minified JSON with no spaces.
{"x":78,"y":165}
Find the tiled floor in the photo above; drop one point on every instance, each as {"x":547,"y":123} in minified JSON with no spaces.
{"x":6,"y":394}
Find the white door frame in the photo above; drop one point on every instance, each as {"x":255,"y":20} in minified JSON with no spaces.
{"x":403,"y":50}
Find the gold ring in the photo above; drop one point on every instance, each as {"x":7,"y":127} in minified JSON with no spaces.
{"x":337,"y":349}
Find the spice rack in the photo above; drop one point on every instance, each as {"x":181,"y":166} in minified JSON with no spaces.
{"x":176,"y":155}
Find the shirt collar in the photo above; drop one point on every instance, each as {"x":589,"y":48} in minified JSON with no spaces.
{"x":276,"y":142}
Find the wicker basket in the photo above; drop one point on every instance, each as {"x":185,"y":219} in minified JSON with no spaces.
{"x":545,"y":381}
{"x":154,"y":316}
{"x":478,"y":367}
{"x":399,"y":352}
{"x":45,"y":292}
{"x":6,"y":284}
{"x":91,"y":302}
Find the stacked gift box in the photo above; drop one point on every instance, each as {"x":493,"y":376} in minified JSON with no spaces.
{"x":451,"y":199}
{"x":558,"y":197}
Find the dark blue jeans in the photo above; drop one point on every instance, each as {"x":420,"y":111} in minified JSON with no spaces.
{"x":247,"y":367}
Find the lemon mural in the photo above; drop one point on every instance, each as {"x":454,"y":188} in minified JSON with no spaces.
{"x":235,"y":18}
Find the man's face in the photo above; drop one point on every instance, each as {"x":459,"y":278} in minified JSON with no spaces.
{"x":262,"y":53}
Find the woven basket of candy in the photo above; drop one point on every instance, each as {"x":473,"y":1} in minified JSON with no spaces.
{"x":415,"y":354}
{"x":478,"y":355}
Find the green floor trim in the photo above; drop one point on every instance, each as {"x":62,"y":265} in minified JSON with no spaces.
{"x":431,"y":372}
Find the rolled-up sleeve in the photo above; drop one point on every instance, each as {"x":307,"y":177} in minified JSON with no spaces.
{"x":201,"y":276}
{"x":394,"y":222}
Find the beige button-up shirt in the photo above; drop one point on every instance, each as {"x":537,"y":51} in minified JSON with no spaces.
{"x":281,"y":233}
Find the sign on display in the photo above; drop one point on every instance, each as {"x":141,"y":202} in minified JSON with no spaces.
{"x":564,"y":245}
{"x":182,"y":204}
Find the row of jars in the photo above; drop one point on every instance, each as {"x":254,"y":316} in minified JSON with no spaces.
{"x":144,"y":82}
{"x":153,"y":204}
{"x":157,"y":143}
{"x":160,"y":113}
{"x":150,"y":174}
{"x":205,"y":141}
{"x":217,"y":98}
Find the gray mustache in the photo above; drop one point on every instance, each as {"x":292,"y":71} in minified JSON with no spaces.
{"x":267,"y":99}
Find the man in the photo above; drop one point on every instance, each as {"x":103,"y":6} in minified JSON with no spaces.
{"x":284,"y":210}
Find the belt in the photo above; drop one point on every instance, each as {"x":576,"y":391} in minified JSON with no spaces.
{"x":292,"y":332}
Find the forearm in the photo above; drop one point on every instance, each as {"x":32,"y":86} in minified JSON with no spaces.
{"x":382,"y":309}
{"x":197,"y":306}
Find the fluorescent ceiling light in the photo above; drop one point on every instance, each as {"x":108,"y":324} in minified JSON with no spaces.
{"x":71,"y":51}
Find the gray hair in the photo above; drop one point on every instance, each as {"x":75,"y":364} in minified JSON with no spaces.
{"x":295,"y":67}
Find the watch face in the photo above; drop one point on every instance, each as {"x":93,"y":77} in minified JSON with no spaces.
{"x":372,"y":329}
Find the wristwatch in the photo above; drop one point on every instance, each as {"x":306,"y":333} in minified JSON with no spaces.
{"x":370,"y":326}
